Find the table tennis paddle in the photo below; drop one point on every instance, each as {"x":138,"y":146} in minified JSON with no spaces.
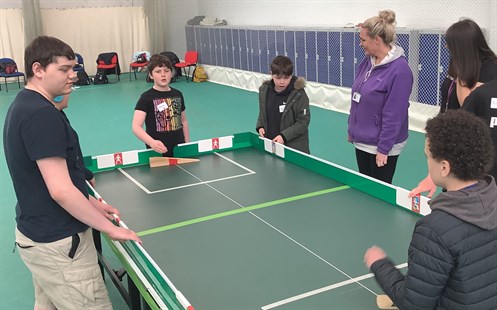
{"x":384,"y":302}
{"x":167,"y":161}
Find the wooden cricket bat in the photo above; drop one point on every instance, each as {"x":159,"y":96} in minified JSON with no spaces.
{"x":168,"y":161}
{"x":384,"y":302}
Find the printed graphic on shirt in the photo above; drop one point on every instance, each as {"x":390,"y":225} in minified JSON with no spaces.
{"x":167,"y":114}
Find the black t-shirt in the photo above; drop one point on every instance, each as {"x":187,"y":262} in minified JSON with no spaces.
{"x":34,"y":129}
{"x":275,"y":102}
{"x":482,"y":102}
{"x":163,"y":120}
{"x":488,"y":72}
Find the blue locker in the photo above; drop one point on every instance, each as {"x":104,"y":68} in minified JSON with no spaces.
{"x":229,"y":48}
{"x":428,"y":77}
{"x":212,"y":46}
{"x":280,"y":44}
{"x":243,"y":49}
{"x":249,"y":50}
{"x":322,"y":57}
{"x":190,"y":38}
{"x":218,"y":47}
{"x":444,"y":61}
{"x":347,"y":58}
{"x":204,"y":37}
{"x":358,"y":52}
{"x":310,"y":56}
{"x":271,"y":44}
{"x":290,"y":45}
{"x":198,"y":44}
{"x":264,"y":64}
{"x":222,"y":46}
{"x":334,"y":58}
{"x":256,"y":50}
{"x":403,"y":40}
{"x":236,"y":49}
{"x":300,"y":69}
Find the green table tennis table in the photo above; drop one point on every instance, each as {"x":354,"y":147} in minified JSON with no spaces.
{"x":252,"y":225}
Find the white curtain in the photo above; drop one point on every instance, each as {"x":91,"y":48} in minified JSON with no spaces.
{"x":89,"y":31}
{"x":12,"y":36}
{"x":32,"y":20}
{"x":155,"y":11}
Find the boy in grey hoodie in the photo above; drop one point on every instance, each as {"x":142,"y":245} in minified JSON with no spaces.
{"x":452,"y":258}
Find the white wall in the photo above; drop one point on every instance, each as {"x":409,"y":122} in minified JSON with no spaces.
{"x":410,"y":13}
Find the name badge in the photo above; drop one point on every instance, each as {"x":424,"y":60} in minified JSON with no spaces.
{"x":493,"y":103}
{"x":161,"y":107}
{"x":356,"y":97}
{"x":282,"y":108}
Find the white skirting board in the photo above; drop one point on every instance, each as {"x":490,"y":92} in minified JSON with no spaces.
{"x":325,"y":96}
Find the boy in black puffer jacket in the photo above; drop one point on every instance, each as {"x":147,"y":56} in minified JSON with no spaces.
{"x":452,"y":260}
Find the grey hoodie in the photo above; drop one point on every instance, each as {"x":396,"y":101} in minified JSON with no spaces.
{"x":476,"y":205}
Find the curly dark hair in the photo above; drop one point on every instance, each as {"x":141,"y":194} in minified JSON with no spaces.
{"x":464,"y":141}
{"x":158,"y":60}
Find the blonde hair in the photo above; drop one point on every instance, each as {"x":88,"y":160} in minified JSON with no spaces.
{"x":382,"y":25}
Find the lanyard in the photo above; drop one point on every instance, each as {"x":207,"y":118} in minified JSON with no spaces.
{"x":451,"y":87}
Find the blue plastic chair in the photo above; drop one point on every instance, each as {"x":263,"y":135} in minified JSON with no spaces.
{"x":80,"y":65}
{"x":16,"y":73}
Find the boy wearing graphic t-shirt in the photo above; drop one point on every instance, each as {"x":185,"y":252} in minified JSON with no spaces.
{"x":162,"y":110}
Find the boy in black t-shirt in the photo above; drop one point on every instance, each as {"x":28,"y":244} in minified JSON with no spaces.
{"x":162,"y":109}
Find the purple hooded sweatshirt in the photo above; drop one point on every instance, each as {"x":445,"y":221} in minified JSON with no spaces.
{"x":380,"y":102}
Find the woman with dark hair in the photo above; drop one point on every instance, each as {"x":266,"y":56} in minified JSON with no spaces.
{"x":472,"y":64}
{"x":473,"y":61}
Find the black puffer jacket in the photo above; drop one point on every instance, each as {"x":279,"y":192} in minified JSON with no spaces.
{"x":452,"y":256}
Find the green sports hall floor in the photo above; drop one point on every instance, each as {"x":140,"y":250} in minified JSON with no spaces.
{"x":102,"y":114}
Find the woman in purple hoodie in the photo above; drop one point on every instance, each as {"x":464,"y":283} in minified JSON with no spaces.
{"x":378,"y":121}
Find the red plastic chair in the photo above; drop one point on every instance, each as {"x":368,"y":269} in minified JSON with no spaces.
{"x":191,"y":58}
{"x":109,"y":62}
{"x":134,"y":66}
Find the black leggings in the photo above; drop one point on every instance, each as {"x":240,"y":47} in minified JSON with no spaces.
{"x":367,"y":165}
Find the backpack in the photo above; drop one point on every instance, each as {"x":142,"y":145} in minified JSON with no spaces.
{"x":100,"y":78}
{"x":8,"y":67}
{"x":199,"y":74}
{"x":83,"y":78}
{"x":141,"y":58}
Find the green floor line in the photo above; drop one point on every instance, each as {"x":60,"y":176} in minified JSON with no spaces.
{"x":242,"y":210}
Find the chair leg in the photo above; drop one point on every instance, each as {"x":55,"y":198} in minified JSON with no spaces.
{"x":186,"y":75}
{"x":130,"y":68}
{"x":19,"y":82}
{"x":6,"y":87}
